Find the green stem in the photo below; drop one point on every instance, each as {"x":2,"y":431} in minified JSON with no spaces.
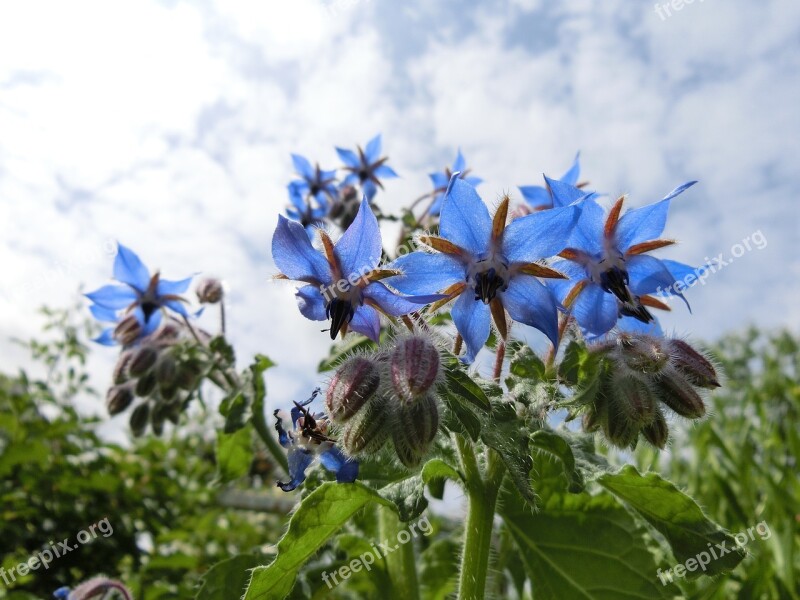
{"x":400,"y":564}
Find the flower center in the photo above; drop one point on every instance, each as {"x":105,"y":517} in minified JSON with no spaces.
{"x":342,"y":299}
{"x":488,"y":276}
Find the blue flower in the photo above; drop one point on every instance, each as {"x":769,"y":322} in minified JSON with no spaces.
{"x":366,"y":167}
{"x":442,"y":179}
{"x":308,"y":438}
{"x":140,"y":295}
{"x":610,"y":273}
{"x":343,"y":281}
{"x":312,"y":194}
{"x":488,"y":267}
{"x":558,"y":192}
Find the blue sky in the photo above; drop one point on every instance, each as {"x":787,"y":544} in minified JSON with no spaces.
{"x":168,"y":126}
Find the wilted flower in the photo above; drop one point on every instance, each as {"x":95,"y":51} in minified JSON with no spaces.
{"x":441,"y":180}
{"x":309,"y":438}
{"x":488,"y":267}
{"x":343,"y":279}
{"x":141,"y":296}
{"x":366,"y":167}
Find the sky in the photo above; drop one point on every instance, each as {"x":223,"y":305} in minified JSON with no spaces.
{"x":168,"y":126}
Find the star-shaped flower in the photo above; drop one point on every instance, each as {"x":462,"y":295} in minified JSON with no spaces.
{"x":610,"y":273}
{"x":309,"y":438}
{"x":442,"y":179}
{"x":343,"y":281}
{"x":312,"y":194}
{"x":140,"y":295}
{"x":557,"y":192}
{"x":488,"y":267}
{"x":366,"y":167}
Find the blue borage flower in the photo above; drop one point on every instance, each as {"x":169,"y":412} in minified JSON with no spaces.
{"x":610,"y":275}
{"x":442,"y":179}
{"x":556,"y":192}
{"x":488,"y":267}
{"x":313,"y":194}
{"x":344,"y":279}
{"x":144,"y":296}
{"x":366,"y":167}
{"x":308,"y":438}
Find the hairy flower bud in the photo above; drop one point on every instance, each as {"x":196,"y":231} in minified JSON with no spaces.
{"x":146,"y":384}
{"x":127,"y":330}
{"x":166,"y":371}
{"x":633,"y":398}
{"x":121,"y":367}
{"x":675,"y":391}
{"x":209,"y":291}
{"x":142,"y":360}
{"x":642,"y":353}
{"x":118,"y":398}
{"x":416,"y":429}
{"x":369,"y":430}
{"x":353,"y":384}
{"x":657,"y":432}
{"x":414,"y":366}
{"x":139,"y":418}
{"x":189,"y":372}
{"x":697,"y":369}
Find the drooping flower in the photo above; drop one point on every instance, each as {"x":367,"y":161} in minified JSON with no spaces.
{"x":343,"y":281}
{"x":366,"y":167}
{"x":441,"y":180}
{"x":556,"y":192}
{"x":138,"y":302}
{"x":309,"y":438}
{"x":610,"y":274}
{"x":313,"y":194}
{"x":488,"y":267}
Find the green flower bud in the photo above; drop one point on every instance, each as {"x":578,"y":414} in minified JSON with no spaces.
{"x":416,"y":429}
{"x":118,"y":398}
{"x":633,"y":398}
{"x":121,"y":367}
{"x":166,"y":371}
{"x":128,"y":330}
{"x":146,"y":384}
{"x":353,"y":384}
{"x":142,"y":361}
{"x":369,"y":430}
{"x":139,"y":418}
{"x":415,"y":367}
{"x":657,"y":432}
{"x":676,"y":391}
{"x":209,"y":291}
{"x":697,"y":369}
{"x":642,"y":353}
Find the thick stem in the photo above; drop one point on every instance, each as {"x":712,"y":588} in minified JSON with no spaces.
{"x":400,"y":564}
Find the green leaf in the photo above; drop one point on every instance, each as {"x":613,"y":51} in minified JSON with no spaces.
{"x":317,"y":518}
{"x":234,"y":409}
{"x":408,"y":495}
{"x":555,"y":446}
{"x":676,"y":516}
{"x":228,"y":578}
{"x":220,"y":346}
{"x":461,"y":386}
{"x":583,"y":547}
{"x":504,"y":432}
{"x":569,"y":369}
{"x":460,"y":418}
{"x":343,"y":349}
{"x":526,"y":364}
{"x":438,"y":565}
{"x":234,"y":453}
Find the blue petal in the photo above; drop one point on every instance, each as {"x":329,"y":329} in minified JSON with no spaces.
{"x":61,"y":593}
{"x":103,"y":314}
{"x":425,"y":273}
{"x":369,"y":189}
{"x":588,"y":233}
{"x":106,"y":337}
{"x":350,"y":179}
{"x":536,"y":195}
{"x":471,"y":318}
{"x":563,"y":193}
{"x":685,"y":275}
{"x":528,"y":301}
{"x":283,"y":437}
{"x":151,"y":324}
{"x":349,"y":158}
{"x":297,"y":191}
{"x":373,"y":150}
{"x":345,"y":469}
{"x":113,"y":296}
{"x":459,"y":164}
{"x":299,"y":460}
{"x":295,"y":256}
{"x":649,"y":275}
{"x":439,"y":180}
{"x":574,"y":172}
{"x":595,"y":310}
{"x":634,"y":325}
{"x":385,"y":172}
{"x":465,"y":219}
{"x":645,"y":223}
{"x":436,"y":206}
{"x":176,"y":306}
{"x":128,"y":268}
{"x":472,"y":180}
{"x":166,"y":287}
{"x":359,"y":249}
{"x":367,"y":322}
{"x":311,"y":303}
{"x":562,"y":287}
{"x":395,"y":305}
{"x":303,"y":167}
{"x":539,"y":235}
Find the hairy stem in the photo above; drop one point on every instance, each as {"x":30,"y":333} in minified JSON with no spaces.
{"x":498,"y":360}
{"x":400,"y":564}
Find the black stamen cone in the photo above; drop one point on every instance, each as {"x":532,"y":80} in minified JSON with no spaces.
{"x":487,"y":284}
{"x":615,"y":281}
{"x":339,"y":312}
{"x":636,"y":310}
